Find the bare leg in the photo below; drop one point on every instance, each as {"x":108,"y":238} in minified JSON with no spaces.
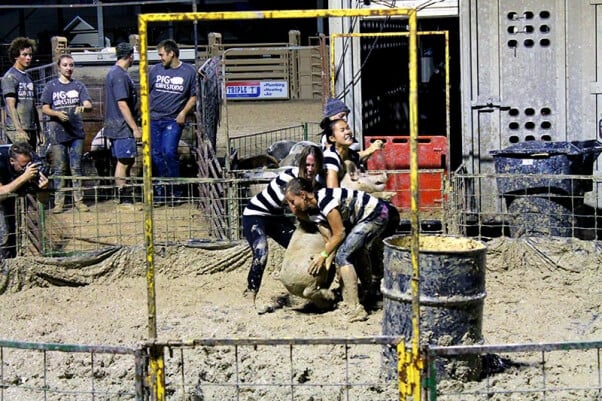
{"x":122,"y":171}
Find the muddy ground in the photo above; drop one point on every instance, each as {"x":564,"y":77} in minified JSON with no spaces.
{"x":537,"y":291}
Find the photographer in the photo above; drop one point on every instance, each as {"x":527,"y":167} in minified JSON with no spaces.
{"x":20,"y":175}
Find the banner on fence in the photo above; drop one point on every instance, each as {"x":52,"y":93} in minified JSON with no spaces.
{"x":257,"y":90}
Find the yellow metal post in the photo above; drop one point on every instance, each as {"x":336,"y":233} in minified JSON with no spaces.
{"x":414,"y":203}
{"x":157,"y":373}
{"x":156,"y":378}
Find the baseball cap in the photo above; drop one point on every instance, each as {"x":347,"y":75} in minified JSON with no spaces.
{"x":334,"y":106}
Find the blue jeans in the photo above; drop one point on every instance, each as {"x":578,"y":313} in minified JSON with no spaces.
{"x":363,"y":234}
{"x":165,"y":137}
{"x":67,"y":160}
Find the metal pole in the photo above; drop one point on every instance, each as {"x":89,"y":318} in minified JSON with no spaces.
{"x":156,"y":364}
{"x":414,"y":204}
{"x":101,"y":25}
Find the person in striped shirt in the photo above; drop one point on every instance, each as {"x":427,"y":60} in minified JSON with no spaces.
{"x":356,"y":219}
{"x":340,"y":139}
{"x":264,"y":216}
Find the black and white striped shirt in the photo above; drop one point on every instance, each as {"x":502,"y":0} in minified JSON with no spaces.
{"x":270,"y":201}
{"x":354,"y":206}
{"x":333,"y":161}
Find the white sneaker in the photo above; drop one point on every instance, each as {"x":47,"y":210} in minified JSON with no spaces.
{"x":81,"y":206}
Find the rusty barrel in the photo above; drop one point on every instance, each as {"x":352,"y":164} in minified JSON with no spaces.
{"x":452,"y":293}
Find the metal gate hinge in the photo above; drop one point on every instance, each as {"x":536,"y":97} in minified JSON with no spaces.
{"x":489,"y":107}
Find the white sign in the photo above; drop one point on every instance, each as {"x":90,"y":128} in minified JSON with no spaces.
{"x":257,"y":90}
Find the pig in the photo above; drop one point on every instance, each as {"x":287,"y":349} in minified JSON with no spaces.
{"x":361,"y":181}
{"x":280,"y":149}
{"x":293,"y":273}
{"x":292,"y":158}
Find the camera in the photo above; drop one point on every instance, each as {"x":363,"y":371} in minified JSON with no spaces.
{"x":43,"y":167}
{"x":31,"y":186}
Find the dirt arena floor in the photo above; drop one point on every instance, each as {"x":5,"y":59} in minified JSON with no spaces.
{"x":542,"y":290}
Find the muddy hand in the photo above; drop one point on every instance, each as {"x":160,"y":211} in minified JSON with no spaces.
{"x":42,"y":181}
{"x":31,"y":171}
{"x":316,"y":264}
{"x":64,"y":117}
{"x":378,"y":144}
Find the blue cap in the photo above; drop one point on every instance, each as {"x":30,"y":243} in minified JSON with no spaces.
{"x":335,"y":106}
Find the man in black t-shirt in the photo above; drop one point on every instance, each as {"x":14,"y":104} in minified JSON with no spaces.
{"x":19,"y":174}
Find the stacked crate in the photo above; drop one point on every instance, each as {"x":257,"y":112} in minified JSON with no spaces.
{"x":395,"y":159}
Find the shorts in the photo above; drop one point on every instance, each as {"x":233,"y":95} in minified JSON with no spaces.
{"x":123,"y":148}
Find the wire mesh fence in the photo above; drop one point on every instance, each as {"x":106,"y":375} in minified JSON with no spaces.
{"x":258,"y":143}
{"x":191,"y":215}
{"x":295,"y":369}
{"x":552,"y":371}
{"x":279,"y":369}
{"x":112,"y":219}
{"x":42,"y":371}
{"x":559,"y":205}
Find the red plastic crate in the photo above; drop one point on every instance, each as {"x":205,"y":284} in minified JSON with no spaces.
{"x":432,"y":152}
{"x":430,"y":185}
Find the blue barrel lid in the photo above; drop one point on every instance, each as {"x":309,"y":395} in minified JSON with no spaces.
{"x":546,"y":148}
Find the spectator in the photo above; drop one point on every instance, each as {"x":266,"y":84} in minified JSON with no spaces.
{"x":19,"y":174}
{"x":121,"y":111}
{"x":172,"y":97}
{"x":64,"y":100}
{"x":22,"y":121}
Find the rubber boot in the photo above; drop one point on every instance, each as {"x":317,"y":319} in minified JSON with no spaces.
{"x":59,"y":203}
{"x":351,"y":304}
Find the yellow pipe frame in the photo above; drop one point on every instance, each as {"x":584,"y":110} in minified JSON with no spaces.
{"x":157,"y":373}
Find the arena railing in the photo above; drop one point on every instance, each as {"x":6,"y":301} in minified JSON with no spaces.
{"x":540,"y":371}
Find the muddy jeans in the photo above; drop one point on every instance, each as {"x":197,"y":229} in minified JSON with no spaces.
{"x":67,"y":158}
{"x":363,"y":234}
{"x":256,"y":230}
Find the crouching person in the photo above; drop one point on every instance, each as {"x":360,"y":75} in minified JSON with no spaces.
{"x":355,"y":219}
{"x":264,"y":216}
{"x":19,"y":174}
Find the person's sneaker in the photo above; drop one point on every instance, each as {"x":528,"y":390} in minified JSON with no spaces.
{"x":130,"y":207}
{"x":57,"y":209}
{"x":250,"y":295}
{"x":81,"y":206}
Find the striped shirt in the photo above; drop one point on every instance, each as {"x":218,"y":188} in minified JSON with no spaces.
{"x":354,"y":206}
{"x":333,"y":161}
{"x":270,"y":201}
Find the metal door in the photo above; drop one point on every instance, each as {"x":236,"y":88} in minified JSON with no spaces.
{"x":527,"y":73}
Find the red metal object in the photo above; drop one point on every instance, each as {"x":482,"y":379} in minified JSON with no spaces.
{"x":432,"y":158}
{"x":430,"y":184}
